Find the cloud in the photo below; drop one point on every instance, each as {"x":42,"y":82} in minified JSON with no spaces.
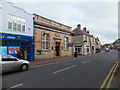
{"x":101,"y":18}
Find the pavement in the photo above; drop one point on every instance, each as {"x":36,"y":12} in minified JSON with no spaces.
{"x":39,"y":62}
{"x":84,"y":72}
{"x":57,"y":59}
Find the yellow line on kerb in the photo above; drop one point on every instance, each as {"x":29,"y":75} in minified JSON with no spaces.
{"x":103,"y":84}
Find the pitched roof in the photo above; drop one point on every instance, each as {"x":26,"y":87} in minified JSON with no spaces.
{"x":78,"y":31}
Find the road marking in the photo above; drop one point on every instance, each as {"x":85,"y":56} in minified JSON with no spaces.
{"x":64,"y":69}
{"x":15,"y":86}
{"x":89,"y":60}
{"x":108,"y":85}
{"x":106,"y":79}
{"x":84,"y":62}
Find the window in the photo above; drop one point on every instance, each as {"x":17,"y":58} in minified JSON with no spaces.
{"x":9,"y":25}
{"x":16,"y":23}
{"x":19,"y":26}
{"x":4,"y":42}
{"x":23,"y":27}
{"x":87,"y":49}
{"x":45,"y":42}
{"x":66,"y":43}
{"x":14,"y":43}
{"x":8,"y":58}
{"x":86,"y":38}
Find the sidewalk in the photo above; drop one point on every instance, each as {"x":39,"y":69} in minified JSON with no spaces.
{"x":57,"y":59}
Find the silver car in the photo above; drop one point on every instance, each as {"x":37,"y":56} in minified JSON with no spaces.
{"x":10,"y":63}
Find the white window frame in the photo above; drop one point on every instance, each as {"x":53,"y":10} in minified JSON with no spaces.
{"x":18,"y":20}
{"x":65,"y":43}
{"x":44,"y":41}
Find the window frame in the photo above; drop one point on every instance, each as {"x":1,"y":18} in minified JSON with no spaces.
{"x":20,"y":22}
{"x":45,"y":41}
{"x":65,"y":43}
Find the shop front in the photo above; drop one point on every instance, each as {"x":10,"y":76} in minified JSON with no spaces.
{"x":14,"y":44}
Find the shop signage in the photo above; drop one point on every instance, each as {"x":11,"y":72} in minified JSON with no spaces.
{"x":14,"y":37}
{"x":13,"y":49}
{"x":70,"y":44}
{"x":3,"y":49}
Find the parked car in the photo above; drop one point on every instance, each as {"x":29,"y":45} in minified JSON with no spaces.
{"x":107,"y":49}
{"x":10,"y":63}
{"x":118,"y":48}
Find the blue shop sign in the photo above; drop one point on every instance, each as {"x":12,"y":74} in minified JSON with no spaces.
{"x":14,"y":37}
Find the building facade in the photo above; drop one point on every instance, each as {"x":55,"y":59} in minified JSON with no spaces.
{"x":98,"y":45}
{"x":83,"y":42}
{"x":52,"y":39}
{"x":16,"y":31}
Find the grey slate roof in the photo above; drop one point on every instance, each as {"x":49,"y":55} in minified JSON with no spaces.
{"x":78,"y":31}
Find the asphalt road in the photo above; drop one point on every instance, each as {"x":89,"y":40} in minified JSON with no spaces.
{"x":85,"y":72}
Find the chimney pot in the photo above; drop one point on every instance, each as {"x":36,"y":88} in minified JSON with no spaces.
{"x":85,"y":29}
{"x":88,"y":32}
{"x":79,"y":26}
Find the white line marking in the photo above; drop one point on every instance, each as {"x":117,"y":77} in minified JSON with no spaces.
{"x":16,"y":86}
{"x":64,"y":69}
{"x":84,"y":62}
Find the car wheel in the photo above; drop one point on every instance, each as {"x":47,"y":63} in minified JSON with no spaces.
{"x":24,"y":67}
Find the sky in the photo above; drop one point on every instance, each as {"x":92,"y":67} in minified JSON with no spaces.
{"x":100,"y":18}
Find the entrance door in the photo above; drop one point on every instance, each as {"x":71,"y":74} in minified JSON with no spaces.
{"x":78,"y":50}
{"x":57,"y":48}
{"x":24,"y":53}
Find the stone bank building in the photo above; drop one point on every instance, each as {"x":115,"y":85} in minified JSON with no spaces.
{"x":51,"y":39}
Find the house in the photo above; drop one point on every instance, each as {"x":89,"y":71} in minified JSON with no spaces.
{"x":16,"y":31}
{"x":83,"y":42}
{"x":52,"y":39}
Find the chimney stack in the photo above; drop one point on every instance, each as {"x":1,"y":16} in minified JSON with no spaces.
{"x":88,"y":32}
{"x":79,"y":26}
{"x":85,"y":29}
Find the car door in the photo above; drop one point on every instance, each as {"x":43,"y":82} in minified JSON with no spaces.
{"x":6,"y":63}
{"x":9,"y":63}
{"x":15,"y":63}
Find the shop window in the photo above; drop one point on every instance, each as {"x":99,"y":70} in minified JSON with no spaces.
{"x":66,"y":43}
{"x":4,"y":42}
{"x":25,"y":43}
{"x":14,"y":43}
{"x":45,"y":42}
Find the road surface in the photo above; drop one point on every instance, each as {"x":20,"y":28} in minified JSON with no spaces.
{"x":86,"y":72}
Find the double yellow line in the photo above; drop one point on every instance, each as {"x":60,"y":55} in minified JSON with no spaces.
{"x":109,"y":78}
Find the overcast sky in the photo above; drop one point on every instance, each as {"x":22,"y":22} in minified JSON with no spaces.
{"x":100,"y":18}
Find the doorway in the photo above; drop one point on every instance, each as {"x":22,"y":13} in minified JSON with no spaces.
{"x":24,"y":53}
{"x":57,"y":48}
{"x":78,"y":50}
